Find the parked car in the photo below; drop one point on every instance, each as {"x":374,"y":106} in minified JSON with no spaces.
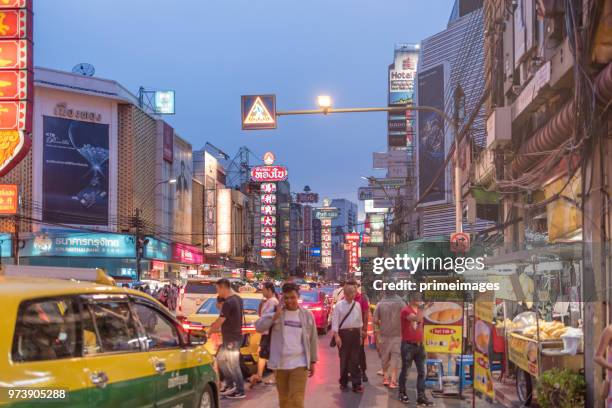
{"x":318,"y":303}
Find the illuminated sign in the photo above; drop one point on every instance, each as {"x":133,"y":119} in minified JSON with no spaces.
{"x":268,"y":253}
{"x":268,"y":198}
{"x":307,"y":198}
{"x":268,"y":209}
{"x":326,"y":213}
{"x":268,"y":187}
{"x":262,"y":174}
{"x":16,"y":76}
{"x":268,"y":242}
{"x":224,"y":220}
{"x":268,"y":231}
{"x":315,"y":252}
{"x":9,"y":198}
{"x":164,"y":102}
{"x":269,"y":158}
{"x":268,"y":220}
{"x":258,"y":112}
{"x":188,"y":254}
{"x":352,"y":241}
{"x":79,"y":244}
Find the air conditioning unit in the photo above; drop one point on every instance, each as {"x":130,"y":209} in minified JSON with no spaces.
{"x":499,"y":128}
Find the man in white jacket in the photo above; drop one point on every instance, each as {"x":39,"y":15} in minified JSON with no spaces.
{"x":293,"y":346}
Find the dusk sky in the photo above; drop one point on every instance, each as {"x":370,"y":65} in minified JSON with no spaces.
{"x":211,"y":52}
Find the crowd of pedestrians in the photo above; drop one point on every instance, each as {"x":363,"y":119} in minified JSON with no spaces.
{"x":289,"y":341}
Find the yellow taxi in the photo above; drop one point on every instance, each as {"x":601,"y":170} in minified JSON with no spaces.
{"x":208,"y":312}
{"x":85,"y":343}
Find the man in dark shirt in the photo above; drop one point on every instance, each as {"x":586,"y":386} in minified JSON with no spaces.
{"x":229,"y":323}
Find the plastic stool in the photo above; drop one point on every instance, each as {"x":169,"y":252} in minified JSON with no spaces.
{"x":434,"y":371}
{"x":464,"y":369}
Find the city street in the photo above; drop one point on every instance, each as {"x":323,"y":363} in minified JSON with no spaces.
{"x":322,"y":390}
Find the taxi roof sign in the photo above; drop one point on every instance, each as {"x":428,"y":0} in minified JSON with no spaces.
{"x":258,"y":112}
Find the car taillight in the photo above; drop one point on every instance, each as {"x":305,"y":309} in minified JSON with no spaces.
{"x":248,"y":328}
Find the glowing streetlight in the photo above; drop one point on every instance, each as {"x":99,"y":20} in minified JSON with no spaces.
{"x":172,"y":181}
{"x":324,"y":102}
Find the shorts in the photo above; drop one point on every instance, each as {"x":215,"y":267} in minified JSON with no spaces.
{"x":390,"y":352}
{"x":264,"y":347}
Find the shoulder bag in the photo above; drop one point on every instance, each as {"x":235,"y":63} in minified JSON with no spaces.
{"x":332,"y":342}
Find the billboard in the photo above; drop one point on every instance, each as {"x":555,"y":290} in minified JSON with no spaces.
{"x":258,"y":112}
{"x":182,"y":169}
{"x":75,"y":183}
{"x":307,"y":198}
{"x":431,"y":143}
{"x":164,"y":102}
{"x":401,"y":76}
{"x":224,"y":220}
{"x":168,"y":142}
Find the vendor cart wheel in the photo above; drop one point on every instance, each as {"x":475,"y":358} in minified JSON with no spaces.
{"x":524,"y":387}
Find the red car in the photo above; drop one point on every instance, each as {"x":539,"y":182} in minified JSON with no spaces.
{"x":318,"y":303}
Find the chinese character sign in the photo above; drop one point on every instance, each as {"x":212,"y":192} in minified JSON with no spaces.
{"x":352,"y":243}
{"x":326,"y":214}
{"x":16,"y":76}
{"x":268,"y":175}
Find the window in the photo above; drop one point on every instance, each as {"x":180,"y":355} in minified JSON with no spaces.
{"x":115,"y":326}
{"x":160,"y":332}
{"x":46,"y":330}
{"x":310,"y":297}
{"x":205,"y":288}
{"x":251,"y":306}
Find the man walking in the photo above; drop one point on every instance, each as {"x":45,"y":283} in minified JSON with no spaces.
{"x":346,"y":330}
{"x":229,"y":323}
{"x":413,"y":349}
{"x":293,"y":346}
{"x":389,"y":339}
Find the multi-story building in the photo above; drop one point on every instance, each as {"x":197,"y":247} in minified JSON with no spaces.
{"x":105,"y":183}
{"x":296,"y":253}
{"x":449,"y":78}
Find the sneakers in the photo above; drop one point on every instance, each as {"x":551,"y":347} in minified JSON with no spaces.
{"x":235,"y":395}
{"x":364,"y":378}
{"x":422,"y":400}
{"x":358,"y":389}
{"x":404,"y":398}
{"x":227,"y":390}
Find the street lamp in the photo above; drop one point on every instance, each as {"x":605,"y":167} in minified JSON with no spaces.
{"x":324,"y":102}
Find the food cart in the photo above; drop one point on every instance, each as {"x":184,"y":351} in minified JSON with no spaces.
{"x":538,"y":288}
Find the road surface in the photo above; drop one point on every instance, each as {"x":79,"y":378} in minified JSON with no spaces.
{"x":322,"y":390}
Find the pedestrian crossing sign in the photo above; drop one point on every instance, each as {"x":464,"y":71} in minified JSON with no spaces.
{"x":258,"y":112}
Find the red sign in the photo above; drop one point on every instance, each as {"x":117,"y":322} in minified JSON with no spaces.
{"x":268,"y":198}
{"x":268,"y":220}
{"x":157,"y":265}
{"x":460,"y":242}
{"x":268,"y":187}
{"x":445,"y":331}
{"x":188,"y":254}
{"x":268,"y":242}
{"x":16,"y":77}
{"x":268,"y":209}
{"x":268,"y":231}
{"x":9,"y":197}
{"x":269,"y":173}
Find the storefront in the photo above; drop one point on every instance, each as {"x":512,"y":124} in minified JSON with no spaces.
{"x":186,"y":261}
{"x":156,"y":258}
{"x":114,"y":253}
